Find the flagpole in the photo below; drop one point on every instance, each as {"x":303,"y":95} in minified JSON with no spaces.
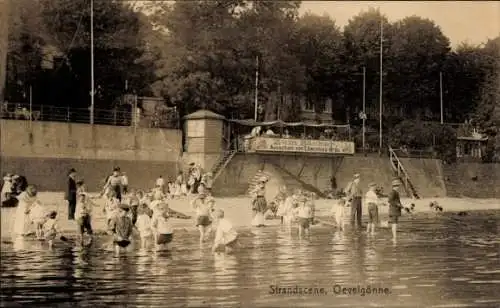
{"x":256,"y":87}
{"x":380,"y":85}
{"x":364,"y":107}
{"x":92,"y":91}
{"x":441,"y":96}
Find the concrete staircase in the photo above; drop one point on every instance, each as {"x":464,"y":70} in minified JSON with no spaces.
{"x":222,"y":163}
{"x":293,"y":182}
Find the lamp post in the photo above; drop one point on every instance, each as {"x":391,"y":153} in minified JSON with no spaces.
{"x":92,"y":90}
{"x":256,"y":87}
{"x":380,"y":85}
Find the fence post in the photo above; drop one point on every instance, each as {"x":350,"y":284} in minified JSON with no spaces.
{"x":114,"y":116}
{"x":67,"y":114}
{"x":41,"y":113}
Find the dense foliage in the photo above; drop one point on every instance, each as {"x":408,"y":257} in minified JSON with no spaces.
{"x":205,"y":54}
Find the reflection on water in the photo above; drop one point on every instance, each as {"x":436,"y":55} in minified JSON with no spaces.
{"x":442,"y":261}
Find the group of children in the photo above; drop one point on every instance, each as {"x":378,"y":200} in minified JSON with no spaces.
{"x":296,"y":207}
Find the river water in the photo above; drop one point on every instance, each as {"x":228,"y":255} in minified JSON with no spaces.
{"x":438,"y":261}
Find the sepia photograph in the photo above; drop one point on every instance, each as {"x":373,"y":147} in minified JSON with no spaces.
{"x":234,"y":153}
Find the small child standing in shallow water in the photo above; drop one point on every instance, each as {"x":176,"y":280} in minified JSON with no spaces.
{"x":38,"y":217}
{"x":225,"y":236}
{"x":163,"y":232}
{"x":121,"y":227}
{"x":83,"y":215}
{"x":50,"y":228}
{"x":304,"y":214}
{"x":143,"y":224}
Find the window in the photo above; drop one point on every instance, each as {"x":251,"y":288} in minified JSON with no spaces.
{"x":307,"y":105}
{"x":328,"y":106}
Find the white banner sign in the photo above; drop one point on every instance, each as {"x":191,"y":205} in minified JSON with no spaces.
{"x":303,"y":145}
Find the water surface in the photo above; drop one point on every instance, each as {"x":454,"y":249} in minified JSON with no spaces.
{"x":438,"y":261}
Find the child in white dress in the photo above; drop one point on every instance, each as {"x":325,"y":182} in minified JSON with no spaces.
{"x":338,"y":211}
{"x":225,"y":235}
{"x":38,"y":218}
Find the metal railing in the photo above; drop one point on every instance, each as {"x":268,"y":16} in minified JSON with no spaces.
{"x":414,"y":153}
{"x":17,"y":111}
{"x":401,"y":173}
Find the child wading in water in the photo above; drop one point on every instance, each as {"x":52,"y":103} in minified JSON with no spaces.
{"x":111,"y":207}
{"x":259,"y":203}
{"x":163,"y":232}
{"x":395,"y":207}
{"x":121,"y":227}
{"x":304,"y":214}
{"x":225,"y":236}
{"x":143,"y":224}
{"x":373,"y":201}
{"x":38,"y":217}
{"x":83,"y":215}
{"x":50,"y":228}
{"x":338,"y":211}
{"x":203,"y":206}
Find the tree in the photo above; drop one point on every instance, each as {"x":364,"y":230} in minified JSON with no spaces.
{"x":318,"y":44}
{"x":212,"y":52}
{"x":418,"y":50}
{"x":26,"y":40}
{"x":362,"y":49}
{"x":118,"y":51}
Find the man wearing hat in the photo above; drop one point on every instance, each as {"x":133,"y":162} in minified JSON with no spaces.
{"x":71,"y":194}
{"x":394,"y":206}
{"x":355,"y":194}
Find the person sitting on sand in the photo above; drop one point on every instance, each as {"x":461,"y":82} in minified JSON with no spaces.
{"x":121,"y":228}
{"x":225,"y":236}
{"x":204,"y":207}
{"x":162,"y":229}
{"x":50,"y":228}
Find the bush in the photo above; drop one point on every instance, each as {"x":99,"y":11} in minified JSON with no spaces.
{"x":441,"y":139}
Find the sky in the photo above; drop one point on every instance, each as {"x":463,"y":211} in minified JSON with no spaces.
{"x":473,"y":22}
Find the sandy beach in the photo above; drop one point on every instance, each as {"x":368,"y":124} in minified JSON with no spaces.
{"x":237,"y":210}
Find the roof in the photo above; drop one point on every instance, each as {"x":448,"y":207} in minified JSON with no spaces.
{"x":473,"y":138}
{"x":204,"y":114}
{"x":281,"y":123}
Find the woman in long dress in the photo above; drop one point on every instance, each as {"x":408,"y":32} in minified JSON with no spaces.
{"x":22,"y":222}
